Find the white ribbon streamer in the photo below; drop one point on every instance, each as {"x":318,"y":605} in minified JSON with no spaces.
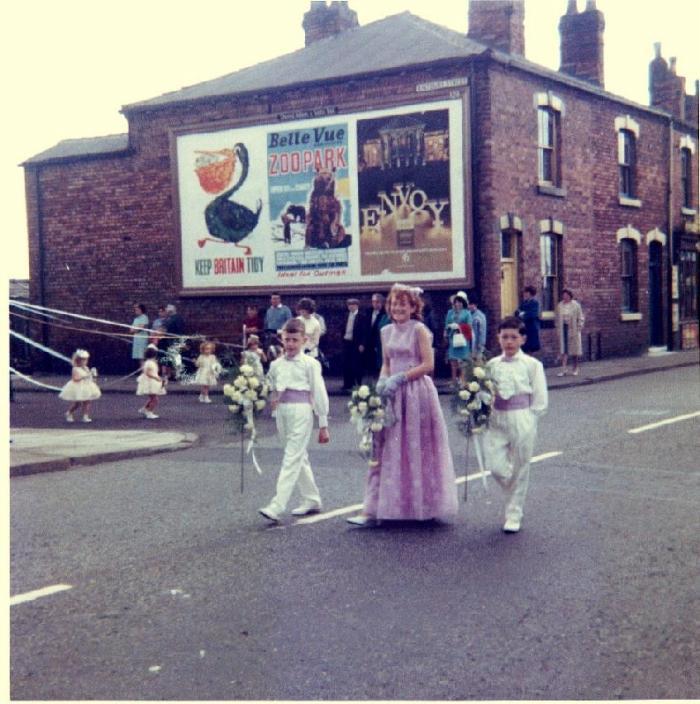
{"x":479,"y":451}
{"x":48,"y":350}
{"x":32,"y":381}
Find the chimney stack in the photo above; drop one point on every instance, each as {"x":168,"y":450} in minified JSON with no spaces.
{"x":499,"y":24}
{"x":323,"y":21}
{"x":582,"y":43}
{"x":666,"y":89}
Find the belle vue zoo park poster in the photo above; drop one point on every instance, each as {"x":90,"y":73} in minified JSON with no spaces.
{"x":373,"y":197}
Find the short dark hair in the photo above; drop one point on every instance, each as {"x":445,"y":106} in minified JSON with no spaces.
{"x":306,"y":304}
{"x":531,"y":290}
{"x":150,"y":353}
{"x":569,"y":291}
{"x":141,"y":307}
{"x":293,"y":326}
{"x":512,"y":323}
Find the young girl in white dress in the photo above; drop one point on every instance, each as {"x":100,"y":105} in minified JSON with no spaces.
{"x":81,"y":390}
{"x":254,"y":356}
{"x":149,"y":383}
{"x":208,"y":370}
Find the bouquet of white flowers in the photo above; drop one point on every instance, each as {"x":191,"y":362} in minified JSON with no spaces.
{"x":473,"y":399}
{"x":472,"y":403}
{"x":245,"y":398}
{"x":371,"y":415}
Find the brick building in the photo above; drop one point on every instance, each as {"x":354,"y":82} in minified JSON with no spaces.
{"x":453,"y":162}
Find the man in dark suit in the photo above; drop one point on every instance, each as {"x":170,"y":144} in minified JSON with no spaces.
{"x":353,"y":345}
{"x":376,"y":320}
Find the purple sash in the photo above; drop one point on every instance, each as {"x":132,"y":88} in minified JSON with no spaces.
{"x":514,"y":403}
{"x":295,"y":396}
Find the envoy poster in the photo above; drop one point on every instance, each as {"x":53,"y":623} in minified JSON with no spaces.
{"x":373,"y":197}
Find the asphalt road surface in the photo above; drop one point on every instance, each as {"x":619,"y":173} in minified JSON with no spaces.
{"x":168,"y":585}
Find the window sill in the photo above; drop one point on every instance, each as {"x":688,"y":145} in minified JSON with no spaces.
{"x":688,"y":211}
{"x":630,"y":202}
{"x":547,"y":189}
{"x":626,"y":317}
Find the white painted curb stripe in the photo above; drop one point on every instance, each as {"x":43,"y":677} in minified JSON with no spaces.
{"x":316,"y":517}
{"x":668,"y":421}
{"x":38,"y":593}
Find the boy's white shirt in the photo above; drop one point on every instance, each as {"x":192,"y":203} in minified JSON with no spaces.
{"x":301,"y":373}
{"x":523,"y":375}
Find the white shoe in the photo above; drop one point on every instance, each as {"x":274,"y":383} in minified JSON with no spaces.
{"x":87,"y":419}
{"x":512,"y":525}
{"x":150,"y":415}
{"x":201,"y":398}
{"x":269,"y":513}
{"x":69,"y":417}
{"x":306,"y":508}
{"x":363,"y":521}
{"x":142,"y":411}
{"x":206,"y":399}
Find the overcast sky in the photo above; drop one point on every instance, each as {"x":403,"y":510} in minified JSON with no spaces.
{"x":69,"y":65}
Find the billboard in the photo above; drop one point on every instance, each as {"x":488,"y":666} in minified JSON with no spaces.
{"x":366,"y":198}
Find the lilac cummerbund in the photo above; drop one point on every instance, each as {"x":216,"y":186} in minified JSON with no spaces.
{"x":514,"y":403}
{"x":295,"y":396}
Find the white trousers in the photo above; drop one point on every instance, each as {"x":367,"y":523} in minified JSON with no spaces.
{"x":295,"y":423}
{"x":508,"y":446}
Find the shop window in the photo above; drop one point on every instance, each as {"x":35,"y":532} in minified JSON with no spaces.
{"x":628,"y":275}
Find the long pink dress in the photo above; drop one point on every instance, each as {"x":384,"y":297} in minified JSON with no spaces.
{"x":415,"y":479}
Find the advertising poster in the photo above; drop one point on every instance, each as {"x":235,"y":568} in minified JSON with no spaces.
{"x":373,"y":197}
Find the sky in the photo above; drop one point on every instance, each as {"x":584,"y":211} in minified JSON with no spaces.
{"x":70,"y":66}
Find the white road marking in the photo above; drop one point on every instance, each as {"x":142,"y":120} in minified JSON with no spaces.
{"x":668,"y":421}
{"x":38,"y":593}
{"x":316,"y":517}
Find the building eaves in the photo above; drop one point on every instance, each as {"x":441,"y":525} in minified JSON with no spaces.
{"x":86,"y":148}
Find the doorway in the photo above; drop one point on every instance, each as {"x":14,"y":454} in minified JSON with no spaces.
{"x":509,"y":272}
{"x":656,"y":322}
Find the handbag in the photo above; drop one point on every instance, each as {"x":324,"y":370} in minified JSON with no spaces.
{"x":458,"y":340}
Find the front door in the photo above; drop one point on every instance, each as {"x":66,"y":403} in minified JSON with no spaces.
{"x":656,"y":318}
{"x":509,"y":273}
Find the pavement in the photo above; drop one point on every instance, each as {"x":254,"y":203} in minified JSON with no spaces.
{"x":34,"y":450}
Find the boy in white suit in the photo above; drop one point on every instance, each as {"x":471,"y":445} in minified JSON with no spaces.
{"x":298,"y":392}
{"x":521,"y":397}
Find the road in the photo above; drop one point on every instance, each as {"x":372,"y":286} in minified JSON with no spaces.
{"x":174,"y":588}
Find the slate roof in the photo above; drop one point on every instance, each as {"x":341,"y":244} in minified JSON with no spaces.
{"x":396,"y":41}
{"x":87,"y":147}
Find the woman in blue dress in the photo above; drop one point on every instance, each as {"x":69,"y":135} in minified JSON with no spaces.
{"x":457,"y":320}
{"x":138,"y":345}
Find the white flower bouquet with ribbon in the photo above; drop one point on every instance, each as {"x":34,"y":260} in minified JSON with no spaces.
{"x":472,"y":403}
{"x":246,"y":398}
{"x":370,"y":414}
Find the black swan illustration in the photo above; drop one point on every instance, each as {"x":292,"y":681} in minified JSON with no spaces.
{"x":228,"y":221}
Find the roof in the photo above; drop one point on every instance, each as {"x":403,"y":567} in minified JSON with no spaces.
{"x":87,"y":147}
{"x":394,"y":42}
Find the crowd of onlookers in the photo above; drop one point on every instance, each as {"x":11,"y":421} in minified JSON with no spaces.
{"x":462,"y":334}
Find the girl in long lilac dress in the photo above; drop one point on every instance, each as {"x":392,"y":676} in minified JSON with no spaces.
{"x":415,"y":478}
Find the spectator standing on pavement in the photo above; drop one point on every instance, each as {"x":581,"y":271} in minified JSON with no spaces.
{"x":276,"y":315}
{"x":378,"y":319}
{"x":521,"y":398}
{"x":174,"y":327}
{"x":138,"y":330}
{"x":158,"y":326}
{"x":81,"y":389}
{"x":568,"y":317}
{"x":298,"y":391}
{"x":254,"y":356}
{"x":458,"y":334}
{"x":529,"y":313}
{"x":252,"y":323}
{"x":414,"y":478}
{"x":353,"y":345}
{"x":148,"y":383}
{"x":305,"y":309}
{"x":478,"y":331}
